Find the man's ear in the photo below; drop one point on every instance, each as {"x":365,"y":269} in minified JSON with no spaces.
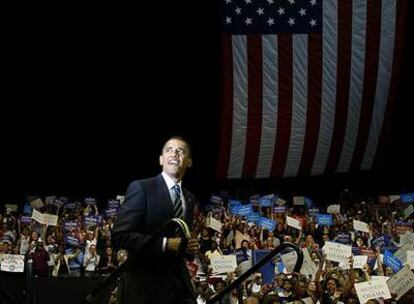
{"x":161,"y":160}
{"x":190,"y":163}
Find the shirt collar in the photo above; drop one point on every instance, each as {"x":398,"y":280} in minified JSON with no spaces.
{"x":169,"y":181}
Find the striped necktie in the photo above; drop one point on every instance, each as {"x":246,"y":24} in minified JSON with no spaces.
{"x":178,"y":204}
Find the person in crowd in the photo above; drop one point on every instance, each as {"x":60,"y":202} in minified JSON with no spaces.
{"x":108,"y":263}
{"x":91,"y":261}
{"x":40,"y":258}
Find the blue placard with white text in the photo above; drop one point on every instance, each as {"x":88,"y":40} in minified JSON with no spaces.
{"x":407,"y":198}
{"x":325,"y":219}
{"x":266,"y":223}
{"x":392,"y":261}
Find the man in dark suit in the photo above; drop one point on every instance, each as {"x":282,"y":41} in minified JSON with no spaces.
{"x":159,"y":274}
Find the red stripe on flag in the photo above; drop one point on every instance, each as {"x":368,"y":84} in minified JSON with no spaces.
{"x":373,"y":36}
{"x":314,"y":103}
{"x":227,"y":108}
{"x":284,"y":115}
{"x":342,"y":83}
{"x":400,"y":39}
{"x":255,"y":99}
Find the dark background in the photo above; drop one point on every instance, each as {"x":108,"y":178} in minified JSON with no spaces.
{"x":90,"y":95}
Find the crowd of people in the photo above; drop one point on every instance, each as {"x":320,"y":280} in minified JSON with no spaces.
{"x":77,"y":242}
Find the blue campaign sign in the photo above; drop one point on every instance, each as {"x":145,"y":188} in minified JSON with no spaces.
{"x":313,"y":212}
{"x":90,"y":201}
{"x":281,"y":209}
{"x":235,"y":209}
{"x":71,"y":240}
{"x":266,"y":223}
{"x":253,"y":217}
{"x":383,"y":240}
{"x":70,"y":225}
{"x":392,"y":261}
{"x":234,"y":203}
{"x":265,"y":201}
{"x":407,"y":198}
{"x":325,"y":219}
{"x":246,"y":210}
{"x":268,"y":270}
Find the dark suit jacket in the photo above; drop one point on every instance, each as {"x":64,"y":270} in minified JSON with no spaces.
{"x":155,"y":276}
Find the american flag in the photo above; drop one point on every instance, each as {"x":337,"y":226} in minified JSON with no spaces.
{"x":308,"y":86}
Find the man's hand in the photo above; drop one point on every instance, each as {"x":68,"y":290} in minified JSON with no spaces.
{"x":192,"y":247}
{"x":173,"y":244}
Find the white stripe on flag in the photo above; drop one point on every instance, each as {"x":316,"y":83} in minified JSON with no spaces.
{"x":359,"y":20}
{"x":240,"y":107}
{"x":329,"y":66}
{"x":270,"y":102}
{"x":386,"y":52}
{"x":299,"y":104}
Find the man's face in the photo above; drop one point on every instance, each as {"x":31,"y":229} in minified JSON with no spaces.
{"x":175,"y":158}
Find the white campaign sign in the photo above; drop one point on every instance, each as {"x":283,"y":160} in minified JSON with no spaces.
{"x":289,"y":260}
{"x":401,"y":253}
{"x":334,"y":209}
{"x":292,"y":222}
{"x":360,"y":261}
{"x":309,"y":267}
{"x":37,"y":203}
{"x":214,"y":224}
{"x":410,"y":258}
{"x":223,"y":263}
{"x":401,"y":282}
{"x":337,"y":252}
{"x":361,"y":226}
{"x":45,"y":218}
{"x":12,"y":263}
{"x":372,"y":290}
{"x":298,"y":200}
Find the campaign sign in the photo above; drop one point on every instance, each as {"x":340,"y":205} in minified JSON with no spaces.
{"x":253,"y":218}
{"x":234,"y":209}
{"x":90,"y":201}
{"x":372,"y":290}
{"x":91,"y":220}
{"x":392,"y":261}
{"x":279,"y":209}
{"x":216,"y":200}
{"x":111,"y":212}
{"x":25,"y":219}
{"x":70,"y":225}
{"x":313,"y":212}
{"x":325,"y":219}
{"x":113,"y":204}
{"x":246,"y":210}
{"x":70,"y":206}
{"x":407,"y":198}
{"x":383,"y":240}
{"x":266,"y":223}
{"x":265,"y":201}
{"x":71,"y":240}
{"x":12,"y":263}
